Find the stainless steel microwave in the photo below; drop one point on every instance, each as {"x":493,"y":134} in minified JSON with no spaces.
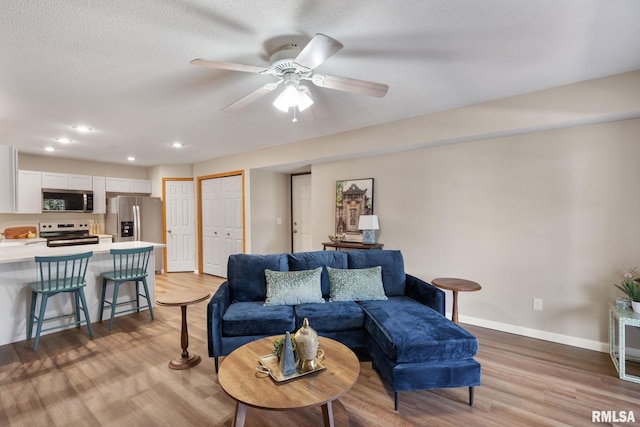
{"x":67,"y":201}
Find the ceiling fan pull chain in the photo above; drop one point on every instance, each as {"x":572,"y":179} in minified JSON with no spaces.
{"x":295,"y":118}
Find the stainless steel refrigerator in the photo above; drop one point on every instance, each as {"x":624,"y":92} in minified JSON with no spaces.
{"x":131,"y":218}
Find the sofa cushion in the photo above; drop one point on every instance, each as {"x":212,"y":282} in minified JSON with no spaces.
{"x":253,"y":318}
{"x":358,"y":284}
{"x":310,"y":260}
{"x":392,"y":263}
{"x":293,"y":287}
{"x":409,"y":332}
{"x":337,"y":316}
{"x":245,"y":273}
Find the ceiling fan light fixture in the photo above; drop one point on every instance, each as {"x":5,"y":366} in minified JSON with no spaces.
{"x":293,"y":96}
{"x":304,"y":100}
{"x":288,"y":98}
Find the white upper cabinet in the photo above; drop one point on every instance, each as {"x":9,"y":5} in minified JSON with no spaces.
{"x":55,"y":180}
{"x":81,"y":182}
{"x":29,"y":192}
{"x":8,"y":176}
{"x":125,"y":185}
{"x":141,"y":186}
{"x":99,"y":195}
{"x":118,"y":185}
{"x":63,"y":181}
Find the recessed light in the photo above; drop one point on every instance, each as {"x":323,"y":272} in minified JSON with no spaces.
{"x":63,"y":140}
{"x":83,"y":129}
{"x":49,"y":149}
{"x":176,"y":144}
{"x":131,"y":158}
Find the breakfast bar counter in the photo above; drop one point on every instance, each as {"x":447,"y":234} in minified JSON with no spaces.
{"x":18,"y":267}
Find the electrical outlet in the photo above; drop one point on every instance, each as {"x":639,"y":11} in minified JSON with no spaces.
{"x":537,"y":304}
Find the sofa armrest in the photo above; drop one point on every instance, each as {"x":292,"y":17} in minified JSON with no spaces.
{"x":216,"y":308}
{"x":425,"y":293}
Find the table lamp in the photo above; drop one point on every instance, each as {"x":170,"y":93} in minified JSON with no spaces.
{"x":368,"y":224}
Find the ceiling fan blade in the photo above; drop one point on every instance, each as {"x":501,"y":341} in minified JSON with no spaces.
{"x":361,"y":87}
{"x":318,"y":50}
{"x":253,"y":96}
{"x":228,"y":66}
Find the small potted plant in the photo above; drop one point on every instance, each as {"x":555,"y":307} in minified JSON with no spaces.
{"x":278,"y":344}
{"x":630,"y":285}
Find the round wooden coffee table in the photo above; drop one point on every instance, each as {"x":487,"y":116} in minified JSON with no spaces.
{"x":183,"y":298}
{"x":455,"y":285}
{"x":240,"y":380}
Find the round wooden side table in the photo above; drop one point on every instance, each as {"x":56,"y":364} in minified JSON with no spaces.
{"x":183,"y":298}
{"x":455,"y":285}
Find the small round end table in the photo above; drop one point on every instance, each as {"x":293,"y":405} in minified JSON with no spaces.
{"x":455,"y":285}
{"x":183,"y":298}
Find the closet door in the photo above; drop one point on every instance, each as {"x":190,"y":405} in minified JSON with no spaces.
{"x":222,"y":233}
{"x":232,"y":199}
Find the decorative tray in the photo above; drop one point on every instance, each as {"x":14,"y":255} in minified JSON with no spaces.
{"x":270,"y":361}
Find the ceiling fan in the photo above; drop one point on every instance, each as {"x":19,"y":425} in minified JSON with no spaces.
{"x":291,"y":66}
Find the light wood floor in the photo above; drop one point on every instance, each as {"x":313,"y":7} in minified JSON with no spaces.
{"x":122,"y":379}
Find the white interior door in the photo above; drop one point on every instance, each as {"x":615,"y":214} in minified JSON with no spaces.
{"x":180,"y":222}
{"x":211,"y":230}
{"x":301,"y":212}
{"x":222,"y":233}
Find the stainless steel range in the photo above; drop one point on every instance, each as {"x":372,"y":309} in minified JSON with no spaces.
{"x":67,"y":233}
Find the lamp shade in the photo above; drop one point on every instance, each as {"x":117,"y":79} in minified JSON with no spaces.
{"x":368,"y":222}
{"x":293,"y":96}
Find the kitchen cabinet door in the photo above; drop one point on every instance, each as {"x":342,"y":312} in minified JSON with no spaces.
{"x":118,"y":185}
{"x":80,"y":182}
{"x":141,"y":186}
{"x":8,"y":175}
{"x":29,"y":192}
{"x":55,"y":181}
{"x":99,"y":195}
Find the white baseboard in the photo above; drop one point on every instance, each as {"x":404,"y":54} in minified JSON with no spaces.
{"x":544,"y":335}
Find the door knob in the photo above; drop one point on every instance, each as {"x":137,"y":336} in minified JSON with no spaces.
{"x":169,"y":231}
{"x":295,"y":231}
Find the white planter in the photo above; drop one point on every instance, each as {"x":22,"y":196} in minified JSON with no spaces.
{"x":636,"y":306}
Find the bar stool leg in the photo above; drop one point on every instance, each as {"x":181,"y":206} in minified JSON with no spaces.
{"x":116,"y":285}
{"x":104,"y":294}
{"x":43,"y":308}
{"x":146,"y":292}
{"x":86,"y":311}
{"x":34,"y":300}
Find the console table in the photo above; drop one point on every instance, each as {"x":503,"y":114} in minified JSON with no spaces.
{"x":351,"y":245}
{"x":621,"y":318}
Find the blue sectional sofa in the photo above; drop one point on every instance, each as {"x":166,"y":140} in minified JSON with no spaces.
{"x":411,"y":343}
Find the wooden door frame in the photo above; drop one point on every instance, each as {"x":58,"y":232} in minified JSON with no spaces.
{"x":164,"y":217}
{"x":199,"y":208}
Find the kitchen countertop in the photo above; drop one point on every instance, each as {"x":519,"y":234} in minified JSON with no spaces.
{"x":25,"y":252}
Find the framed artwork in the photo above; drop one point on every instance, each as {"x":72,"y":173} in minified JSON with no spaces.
{"x":354,"y":197}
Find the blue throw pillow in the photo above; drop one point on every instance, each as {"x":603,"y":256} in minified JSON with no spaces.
{"x":310,"y":260}
{"x":394,"y":279}
{"x":293,"y":287}
{"x":364,"y":284}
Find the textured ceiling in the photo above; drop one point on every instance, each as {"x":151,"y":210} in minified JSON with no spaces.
{"x":122,"y":66}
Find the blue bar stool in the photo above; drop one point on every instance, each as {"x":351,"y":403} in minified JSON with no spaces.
{"x":58,"y":274}
{"x":129,"y":265}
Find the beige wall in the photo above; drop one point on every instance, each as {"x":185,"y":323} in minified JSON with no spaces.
{"x":532,"y":196}
{"x":80,"y":167}
{"x":552,"y":215}
{"x":271,"y":193}
{"x":157,"y":173}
